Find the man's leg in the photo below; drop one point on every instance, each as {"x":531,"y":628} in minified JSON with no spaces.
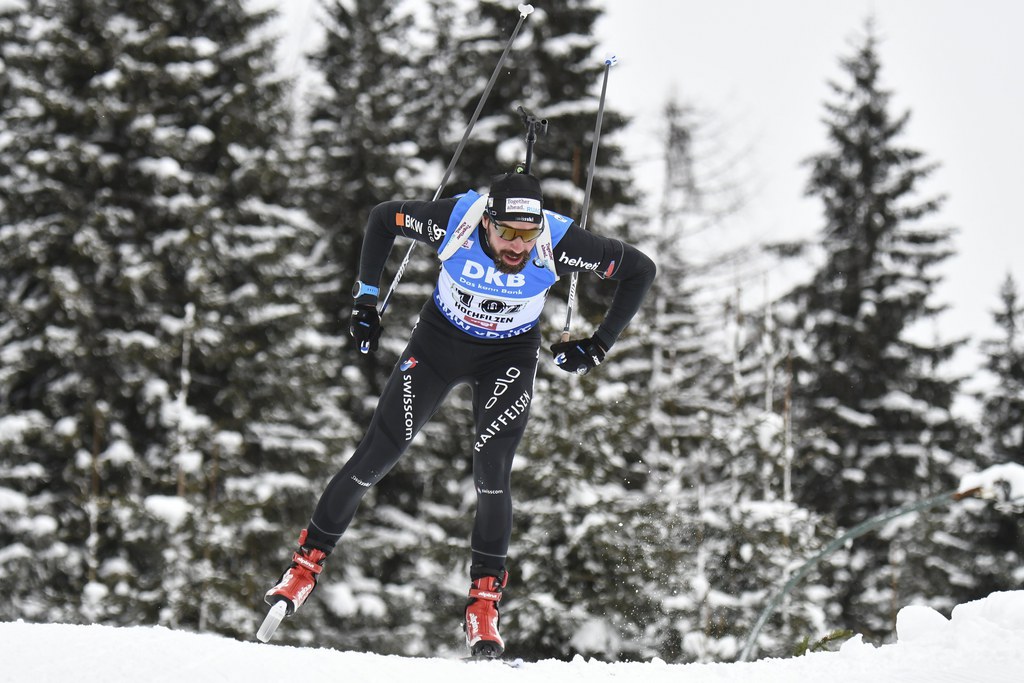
{"x":502,"y":400}
{"x":419,"y":383}
{"x":410,"y":397}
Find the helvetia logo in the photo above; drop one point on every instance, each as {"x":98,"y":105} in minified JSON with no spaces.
{"x":577,"y":262}
{"x":409,"y":363}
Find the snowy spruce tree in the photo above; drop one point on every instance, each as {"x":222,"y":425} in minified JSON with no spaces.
{"x":871,"y":397}
{"x":367,"y":140}
{"x":157,"y":354}
{"x":665,"y":403}
{"x":996,"y":531}
{"x":716,"y":433}
{"x":360,"y":138}
{"x":1002,"y":416}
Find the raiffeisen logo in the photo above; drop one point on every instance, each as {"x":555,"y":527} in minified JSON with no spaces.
{"x":409,"y":363}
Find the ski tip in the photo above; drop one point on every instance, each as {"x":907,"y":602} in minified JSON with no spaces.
{"x":525,"y":10}
{"x":272,"y":621}
{"x":611,"y":60}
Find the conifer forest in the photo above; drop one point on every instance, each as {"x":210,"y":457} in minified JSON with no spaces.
{"x":179,"y":236}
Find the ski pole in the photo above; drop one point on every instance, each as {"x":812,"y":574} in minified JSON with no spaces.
{"x":609,"y":62}
{"x":524,"y":11}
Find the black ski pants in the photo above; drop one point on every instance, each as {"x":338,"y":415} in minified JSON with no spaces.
{"x":437,"y":358}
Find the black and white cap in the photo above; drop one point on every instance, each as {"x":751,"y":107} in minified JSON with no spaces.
{"x":515,"y":197}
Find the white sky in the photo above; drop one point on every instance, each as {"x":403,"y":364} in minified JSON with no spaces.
{"x":764,"y":65}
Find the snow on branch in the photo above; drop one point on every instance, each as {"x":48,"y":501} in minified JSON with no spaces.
{"x":1003,"y":483}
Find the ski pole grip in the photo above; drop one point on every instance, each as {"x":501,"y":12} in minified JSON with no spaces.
{"x":565,"y":336}
{"x":364,"y":347}
{"x":525,"y":10}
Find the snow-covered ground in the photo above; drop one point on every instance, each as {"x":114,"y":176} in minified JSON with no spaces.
{"x":982,"y":642}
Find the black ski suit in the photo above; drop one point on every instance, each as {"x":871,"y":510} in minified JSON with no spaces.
{"x":440,"y":355}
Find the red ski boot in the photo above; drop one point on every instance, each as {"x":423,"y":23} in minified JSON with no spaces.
{"x":482,"y":613}
{"x":299,"y":580}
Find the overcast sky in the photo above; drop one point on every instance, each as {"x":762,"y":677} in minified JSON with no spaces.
{"x":763,"y":66}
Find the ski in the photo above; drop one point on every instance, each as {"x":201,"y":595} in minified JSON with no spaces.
{"x":273,"y":619}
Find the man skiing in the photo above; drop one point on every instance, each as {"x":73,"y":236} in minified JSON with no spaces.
{"x":500,"y":253}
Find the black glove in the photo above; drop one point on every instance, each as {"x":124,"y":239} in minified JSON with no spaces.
{"x":579,"y":355}
{"x":365,"y":327}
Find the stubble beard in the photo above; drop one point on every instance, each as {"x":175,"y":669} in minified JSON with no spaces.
{"x":504,"y":266}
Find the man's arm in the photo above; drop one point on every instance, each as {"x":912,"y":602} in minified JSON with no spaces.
{"x":419,"y":220}
{"x":580,"y":250}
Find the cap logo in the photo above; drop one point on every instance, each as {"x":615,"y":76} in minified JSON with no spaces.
{"x":522,"y":205}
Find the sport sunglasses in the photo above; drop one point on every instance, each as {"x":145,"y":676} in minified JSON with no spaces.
{"x":507,"y":232}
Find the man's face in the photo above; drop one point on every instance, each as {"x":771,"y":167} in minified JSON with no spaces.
{"x":509,"y":243}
